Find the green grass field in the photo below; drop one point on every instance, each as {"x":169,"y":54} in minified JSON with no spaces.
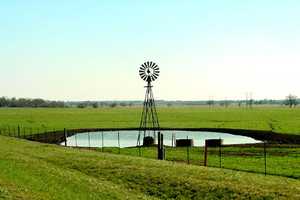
{"x":278,"y":119}
{"x":32,"y":171}
{"x":282,"y":160}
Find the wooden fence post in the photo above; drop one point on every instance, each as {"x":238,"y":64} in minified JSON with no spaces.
{"x":205,"y":154}
{"x":102,"y":141}
{"x":160,"y":147}
{"x":188,"y":151}
{"x":265,"y":157}
{"x":65,"y":134}
{"x":19,"y":131}
{"x":119,"y":142}
{"x":89,"y":139}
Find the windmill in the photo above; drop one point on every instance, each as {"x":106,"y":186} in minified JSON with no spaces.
{"x":149,"y":125}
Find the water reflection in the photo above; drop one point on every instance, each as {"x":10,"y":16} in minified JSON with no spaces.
{"x":129,"y":138}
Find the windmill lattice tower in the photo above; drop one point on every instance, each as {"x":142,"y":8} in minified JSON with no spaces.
{"x":149,"y":124}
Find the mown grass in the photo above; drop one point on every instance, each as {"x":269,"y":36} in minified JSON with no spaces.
{"x":32,"y":170}
{"x":282,"y":161}
{"x":278,"y":119}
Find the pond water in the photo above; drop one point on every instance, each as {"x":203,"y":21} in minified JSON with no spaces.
{"x":129,"y":138}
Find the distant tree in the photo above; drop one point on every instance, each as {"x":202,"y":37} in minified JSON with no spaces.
{"x":210,"y":103}
{"x":291,"y":100}
{"x":95,"y":105}
{"x":3,"y":102}
{"x":81,"y":105}
{"x":169,"y":104}
{"x":225,"y":103}
{"x":123,"y":104}
{"x":239,"y":103}
{"x":251,"y":101}
{"x":24,"y":102}
{"x":113,"y":105}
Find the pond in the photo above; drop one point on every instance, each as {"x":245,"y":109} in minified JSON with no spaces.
{"x":129,"y":138}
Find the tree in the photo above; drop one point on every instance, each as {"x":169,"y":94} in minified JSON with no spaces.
{"x":225,"y":103}
{"x":123,"y":104}
{"x":81,"y":105}
{"x":112,"y":105}
{"x":95,"y":105}
{"x":210,"y":103}
{"x":3,"y":102}
{"x":291,"y":100}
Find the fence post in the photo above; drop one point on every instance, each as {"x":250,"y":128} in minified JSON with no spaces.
{"x":65,"y":134}
{"x":45,"y":135}
{"x":160,"y":146}
{"x":205,"y":154}
{"x":119,"y":142}
{"x":102,"y":141}
{"x":265,"y":157}
{"x":173,"y":139}
{"x":19,"y":131}
{"x":188,"y":151}
{"x":89,"y":139}
{"x":8,"y":130}
{"x":220,"y":153}
{"x":76,"y":139}
{"x":38,"y":135}
{"x":139,"y":144}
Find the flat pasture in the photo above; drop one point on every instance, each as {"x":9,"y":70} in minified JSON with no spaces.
{"x":278,"y":119}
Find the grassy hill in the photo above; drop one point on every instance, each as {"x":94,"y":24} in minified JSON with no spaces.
{"x":278,"y":119}
{"x":38,"y":171}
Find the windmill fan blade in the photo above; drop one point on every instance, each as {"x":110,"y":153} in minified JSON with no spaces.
{"x":155,"y":76}
{"x":155,"y":67}
{"x":143,"y":66}
{"x":148,"y":64}
{"x":142,"y":75}
{"x":152,"y":64}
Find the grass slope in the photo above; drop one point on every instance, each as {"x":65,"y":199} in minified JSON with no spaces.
{"x":37,"y":171}
{"x":278,"y":119}
{"x":283,"y":160}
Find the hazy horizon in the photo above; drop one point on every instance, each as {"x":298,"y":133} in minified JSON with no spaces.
{"x":91,"y":50}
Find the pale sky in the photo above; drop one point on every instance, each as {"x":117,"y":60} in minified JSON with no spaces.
{"x":91,"y":50}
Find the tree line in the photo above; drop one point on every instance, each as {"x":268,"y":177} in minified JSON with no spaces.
{"x":31,"y":103}
{"x":290,"y":101}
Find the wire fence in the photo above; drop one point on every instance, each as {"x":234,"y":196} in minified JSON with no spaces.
{"x":264,"y":158}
